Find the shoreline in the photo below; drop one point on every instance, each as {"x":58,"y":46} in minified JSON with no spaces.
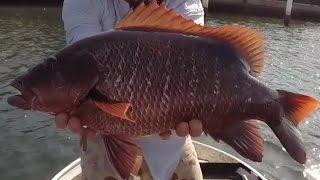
{"x":32,"y":2}
{"x":305,"y":10}
{"x":267,"y":8}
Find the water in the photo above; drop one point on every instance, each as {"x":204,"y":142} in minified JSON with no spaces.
{"x":32,"y":148}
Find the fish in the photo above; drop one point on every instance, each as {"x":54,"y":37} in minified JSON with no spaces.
{"x":156,"y":69}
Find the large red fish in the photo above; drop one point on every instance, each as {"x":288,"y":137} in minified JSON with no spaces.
{"x":156,"y":69}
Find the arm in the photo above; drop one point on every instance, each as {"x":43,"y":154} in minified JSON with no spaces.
{"x":81,"y":19}
{"x":189,"y":9}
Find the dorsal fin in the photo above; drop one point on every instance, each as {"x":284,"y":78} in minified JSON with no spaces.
{"x":154,"y":17}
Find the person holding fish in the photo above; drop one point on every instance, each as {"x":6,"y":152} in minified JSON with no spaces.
{"x":158,"y":71}
{"x":163,"y":155}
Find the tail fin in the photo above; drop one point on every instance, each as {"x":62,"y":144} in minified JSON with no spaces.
{"x":296,"y":107}
{"x":291,"y":140}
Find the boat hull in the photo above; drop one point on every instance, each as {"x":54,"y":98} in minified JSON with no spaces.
{"x":215,"y":164}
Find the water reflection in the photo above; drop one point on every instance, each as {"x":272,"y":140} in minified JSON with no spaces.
{"x":31,"y":147}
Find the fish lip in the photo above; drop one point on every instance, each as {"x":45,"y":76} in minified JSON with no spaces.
{"x":16,"y":84}
{"x":21,"y":100}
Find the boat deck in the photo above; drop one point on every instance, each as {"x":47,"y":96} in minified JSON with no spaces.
{"x":215,"y":164}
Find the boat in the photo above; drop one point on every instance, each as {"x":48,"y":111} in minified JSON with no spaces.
{"x":215,"y":164}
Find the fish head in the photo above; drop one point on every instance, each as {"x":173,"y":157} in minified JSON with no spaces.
{"x":56,"y":85}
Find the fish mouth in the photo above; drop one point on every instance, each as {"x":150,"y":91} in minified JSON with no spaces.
{"x":19,"y":102}
{"x":22,"y":100}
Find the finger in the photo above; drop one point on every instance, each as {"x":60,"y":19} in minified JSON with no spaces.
{"x":61,"y":120}
{"x":165,"y":135}
{"x":182,"y":129}
{"x":195,"y":127}
{"x":74,"y":124}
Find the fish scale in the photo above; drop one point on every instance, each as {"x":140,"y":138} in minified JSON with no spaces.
{"x":162,"y":91}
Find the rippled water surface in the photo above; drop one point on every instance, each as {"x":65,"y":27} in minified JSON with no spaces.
{"x":32,"y":148}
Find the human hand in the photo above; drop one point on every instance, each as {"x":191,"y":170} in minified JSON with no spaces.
{"x":63,"y":120}
{"x":194,"y":128}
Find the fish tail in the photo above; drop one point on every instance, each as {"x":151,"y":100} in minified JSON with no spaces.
{"x":295,"y":108}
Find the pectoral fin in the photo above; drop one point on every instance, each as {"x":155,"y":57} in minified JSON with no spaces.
{"x":123,"y":152}
{"x":245,"y":138}
{"x":116,"y":109}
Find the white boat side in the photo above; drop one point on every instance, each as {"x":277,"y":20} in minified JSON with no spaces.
{"x":73,"y":170}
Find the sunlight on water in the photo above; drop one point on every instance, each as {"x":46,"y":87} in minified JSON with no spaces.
{"x":313,"y":171}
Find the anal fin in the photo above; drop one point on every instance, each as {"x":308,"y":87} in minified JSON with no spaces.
{"x":123,"y":152}
{"x":245,"y":138}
